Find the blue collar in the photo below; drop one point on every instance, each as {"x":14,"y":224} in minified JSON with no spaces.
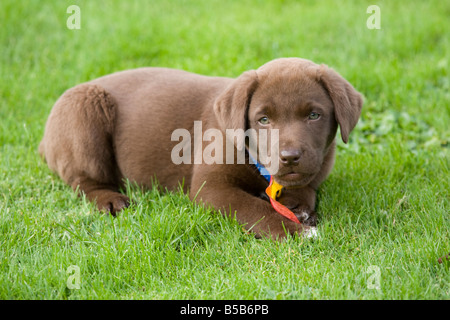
{"x":262,"y":170}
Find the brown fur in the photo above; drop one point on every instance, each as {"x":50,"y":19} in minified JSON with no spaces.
{"x":119,"y":126}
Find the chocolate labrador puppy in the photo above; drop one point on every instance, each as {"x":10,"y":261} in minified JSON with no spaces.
{"x":157,"y":124}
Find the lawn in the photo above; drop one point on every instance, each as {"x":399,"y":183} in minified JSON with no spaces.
{"x":384,"y":211}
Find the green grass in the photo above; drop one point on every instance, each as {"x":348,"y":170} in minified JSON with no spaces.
{"x":386,"y":204}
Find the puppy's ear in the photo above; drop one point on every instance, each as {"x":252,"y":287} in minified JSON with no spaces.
{"x":232,"y":105}
{"x":347,"y":101}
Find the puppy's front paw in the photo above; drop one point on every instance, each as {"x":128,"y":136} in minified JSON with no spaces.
{"x":306,"y":216}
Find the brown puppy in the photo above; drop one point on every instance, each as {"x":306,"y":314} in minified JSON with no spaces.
{"x":123,"y":126}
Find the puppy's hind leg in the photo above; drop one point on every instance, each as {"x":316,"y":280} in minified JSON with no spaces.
{"x":106,"y":196}
{"x":78,"y":145}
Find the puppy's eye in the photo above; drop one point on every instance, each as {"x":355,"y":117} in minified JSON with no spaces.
{"x":264,"y":120}
{"x":314,"y":116}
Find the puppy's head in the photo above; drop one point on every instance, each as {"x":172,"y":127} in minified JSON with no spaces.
{"x":305,"y":102}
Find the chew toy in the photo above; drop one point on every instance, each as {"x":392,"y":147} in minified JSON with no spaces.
{"x":274,"y":192}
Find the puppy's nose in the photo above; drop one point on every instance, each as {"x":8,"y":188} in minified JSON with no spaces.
{"x":290,"y":157}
